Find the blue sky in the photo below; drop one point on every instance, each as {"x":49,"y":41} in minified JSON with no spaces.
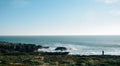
{"x":59,"y":17}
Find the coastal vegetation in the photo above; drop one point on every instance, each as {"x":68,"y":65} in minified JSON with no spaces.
{"x":59,"y":60}
{"x":17,"y":54}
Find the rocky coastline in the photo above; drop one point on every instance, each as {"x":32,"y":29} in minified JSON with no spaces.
{"x":17,"y":54}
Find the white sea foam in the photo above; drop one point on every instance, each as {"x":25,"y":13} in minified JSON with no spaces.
{"x":82,"y":50}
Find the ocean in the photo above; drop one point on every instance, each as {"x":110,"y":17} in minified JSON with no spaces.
{"x":82,"y":45}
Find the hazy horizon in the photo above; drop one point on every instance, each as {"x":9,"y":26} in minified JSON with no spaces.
{"x":59,"y":17}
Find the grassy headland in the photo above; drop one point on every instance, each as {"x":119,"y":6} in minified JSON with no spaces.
{"x":16,"y":54}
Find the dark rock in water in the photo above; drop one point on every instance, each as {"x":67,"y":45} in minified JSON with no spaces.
{"x":54,"y":53}
{"x":61,"y":48}
{"x":46,"y":47}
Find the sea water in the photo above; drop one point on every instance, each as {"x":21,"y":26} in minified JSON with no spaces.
{"x":82,"y":45}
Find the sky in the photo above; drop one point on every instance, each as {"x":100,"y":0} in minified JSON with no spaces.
{"x":59,"y":17}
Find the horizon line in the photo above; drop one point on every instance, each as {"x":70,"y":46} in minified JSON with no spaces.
{"x":63,"y":35}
